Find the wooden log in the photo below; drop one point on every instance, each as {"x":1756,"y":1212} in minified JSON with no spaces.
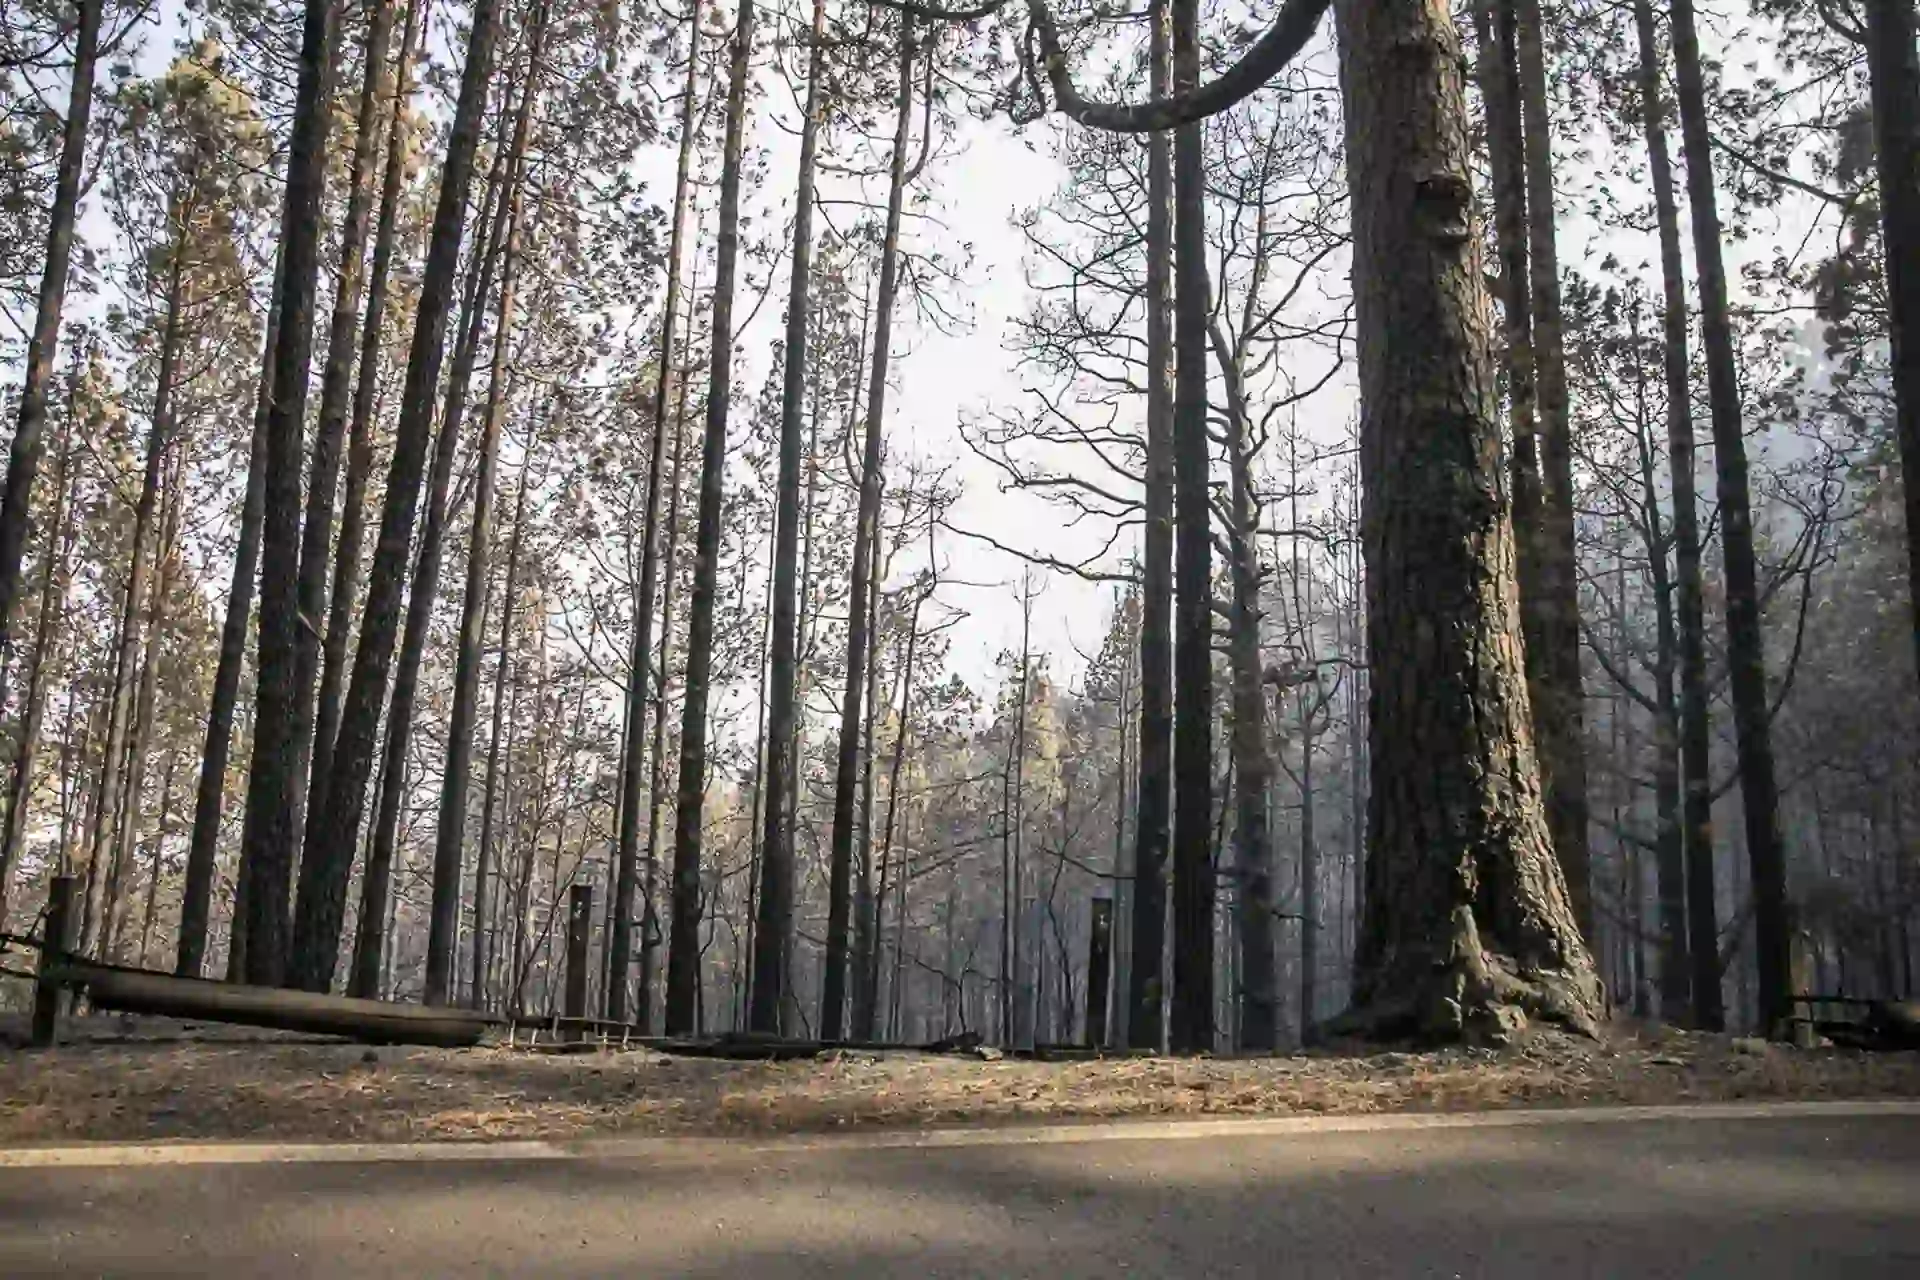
{"x":48,"y":993}
{"x":1099,"y":956}
{"x":579,"y":936}
{"x":371,"y":1021}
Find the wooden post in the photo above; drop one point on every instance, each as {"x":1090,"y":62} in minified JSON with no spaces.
{"x":58,"y":933}
{"x":579,"y":935}
{"x":1099,"y":954}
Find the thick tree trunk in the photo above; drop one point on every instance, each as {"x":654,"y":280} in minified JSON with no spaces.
{"x":1703,"y":930}
{"x":1146,"y":990}
{"x":1558,"y":712}
{"x":1192,"y":1021}
{"x":332,"y":831}
{"x":1746,"y":651}
{"x":1894,"y":70}
{"x":773,"y":925}
{"x":55,"y":577}
{"x":269,"y":835}
{"x":450,"y":837}
{"x":353,"y":500}
{"x":846,"y":772}
{"x":683,"y":955}
{"x":210,"y":797}
{"x":23,"y":461}
{"x":336,"y":382}
{"x":640,"y":658}
{"x":1467,"y":926}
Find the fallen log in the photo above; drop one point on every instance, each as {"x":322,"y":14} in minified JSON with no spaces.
{"x":368,"y":1021}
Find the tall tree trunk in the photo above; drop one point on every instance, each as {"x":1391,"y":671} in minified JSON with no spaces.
{"x":127,"y":642}
{"x":493,"y":783}
{"x":656,"y":785}
{"x":353,"y":500}
{"x":863,"y":957}
{"x":773,"y":925}
{"x":683,"y":955}
{"x":1703,"y":929}
{"x":640,"y":659}
{"x":269,"y":833}
{"x":1746,"y":651}
{"x":332,"y":831}
{"x":1192,"y":1021}
{"x":55,"y":576}
{"x":335,"y":383}
{"x":125,"y":850}
{"x":23,"y":461}
{"x":1146,"y":991}
{"x":1560,"y":740}
{"x":1894,"y":71}
{"x":210,"y":797}
{"x":1669,"y":849}
{"x":867,"y":994}
{"x":1463,"y":892}
{"x":153,"y":863}
{"x":450,"y":837}
{"x":1256,"y":1002}
{"x":443,"y":921}
{"x":859,"y":643}
{"x":1258,"y":1020}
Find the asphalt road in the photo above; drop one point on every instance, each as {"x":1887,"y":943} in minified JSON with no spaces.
{"x":1793,"y":1195}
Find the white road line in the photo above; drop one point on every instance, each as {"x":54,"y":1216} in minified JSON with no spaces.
{"x":155,"y":1154}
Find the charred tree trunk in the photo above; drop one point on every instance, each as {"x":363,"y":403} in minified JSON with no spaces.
{"x":1746,"y":651}
{"x":335,"y":383}
{"x":269,"y":833}
{"x":656,"y":786}
{"x":1703,"y":929}
{"x":102,"y":837}
{"x":493,"y":784}
{"x":1146,"y":991}
{"x":353,"y":501}
{"x":847,"y":764}
{"x":1467,"y":926}
{"x":450,"y":837}
{"x":683,"y":956}
{"x":1192,"y":1022}
{"x":210,"y":797}
{"x":1894,"y":70}
{"x":55,"y":576}
{"x":640,"y":659}
{"x":331,"y":834}
{"x":23,"y":461}
{"x":773,"y":927}
{"x":1560,"y":739}
{"x":443,"y":922}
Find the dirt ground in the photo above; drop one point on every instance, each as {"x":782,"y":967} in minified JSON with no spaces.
{"x":154,"y":1080}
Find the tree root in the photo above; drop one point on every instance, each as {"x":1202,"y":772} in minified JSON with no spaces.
{"x":1477,"y":997}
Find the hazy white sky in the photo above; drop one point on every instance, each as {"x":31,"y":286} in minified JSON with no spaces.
{"x":988,"y":173}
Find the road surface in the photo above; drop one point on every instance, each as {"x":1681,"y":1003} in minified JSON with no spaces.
{"x":1767,"y":1192}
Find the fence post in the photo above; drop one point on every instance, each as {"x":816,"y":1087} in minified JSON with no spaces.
{"x":1099,"y":955}
{"x":579,"y":936}
{"x":57,"y":933}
